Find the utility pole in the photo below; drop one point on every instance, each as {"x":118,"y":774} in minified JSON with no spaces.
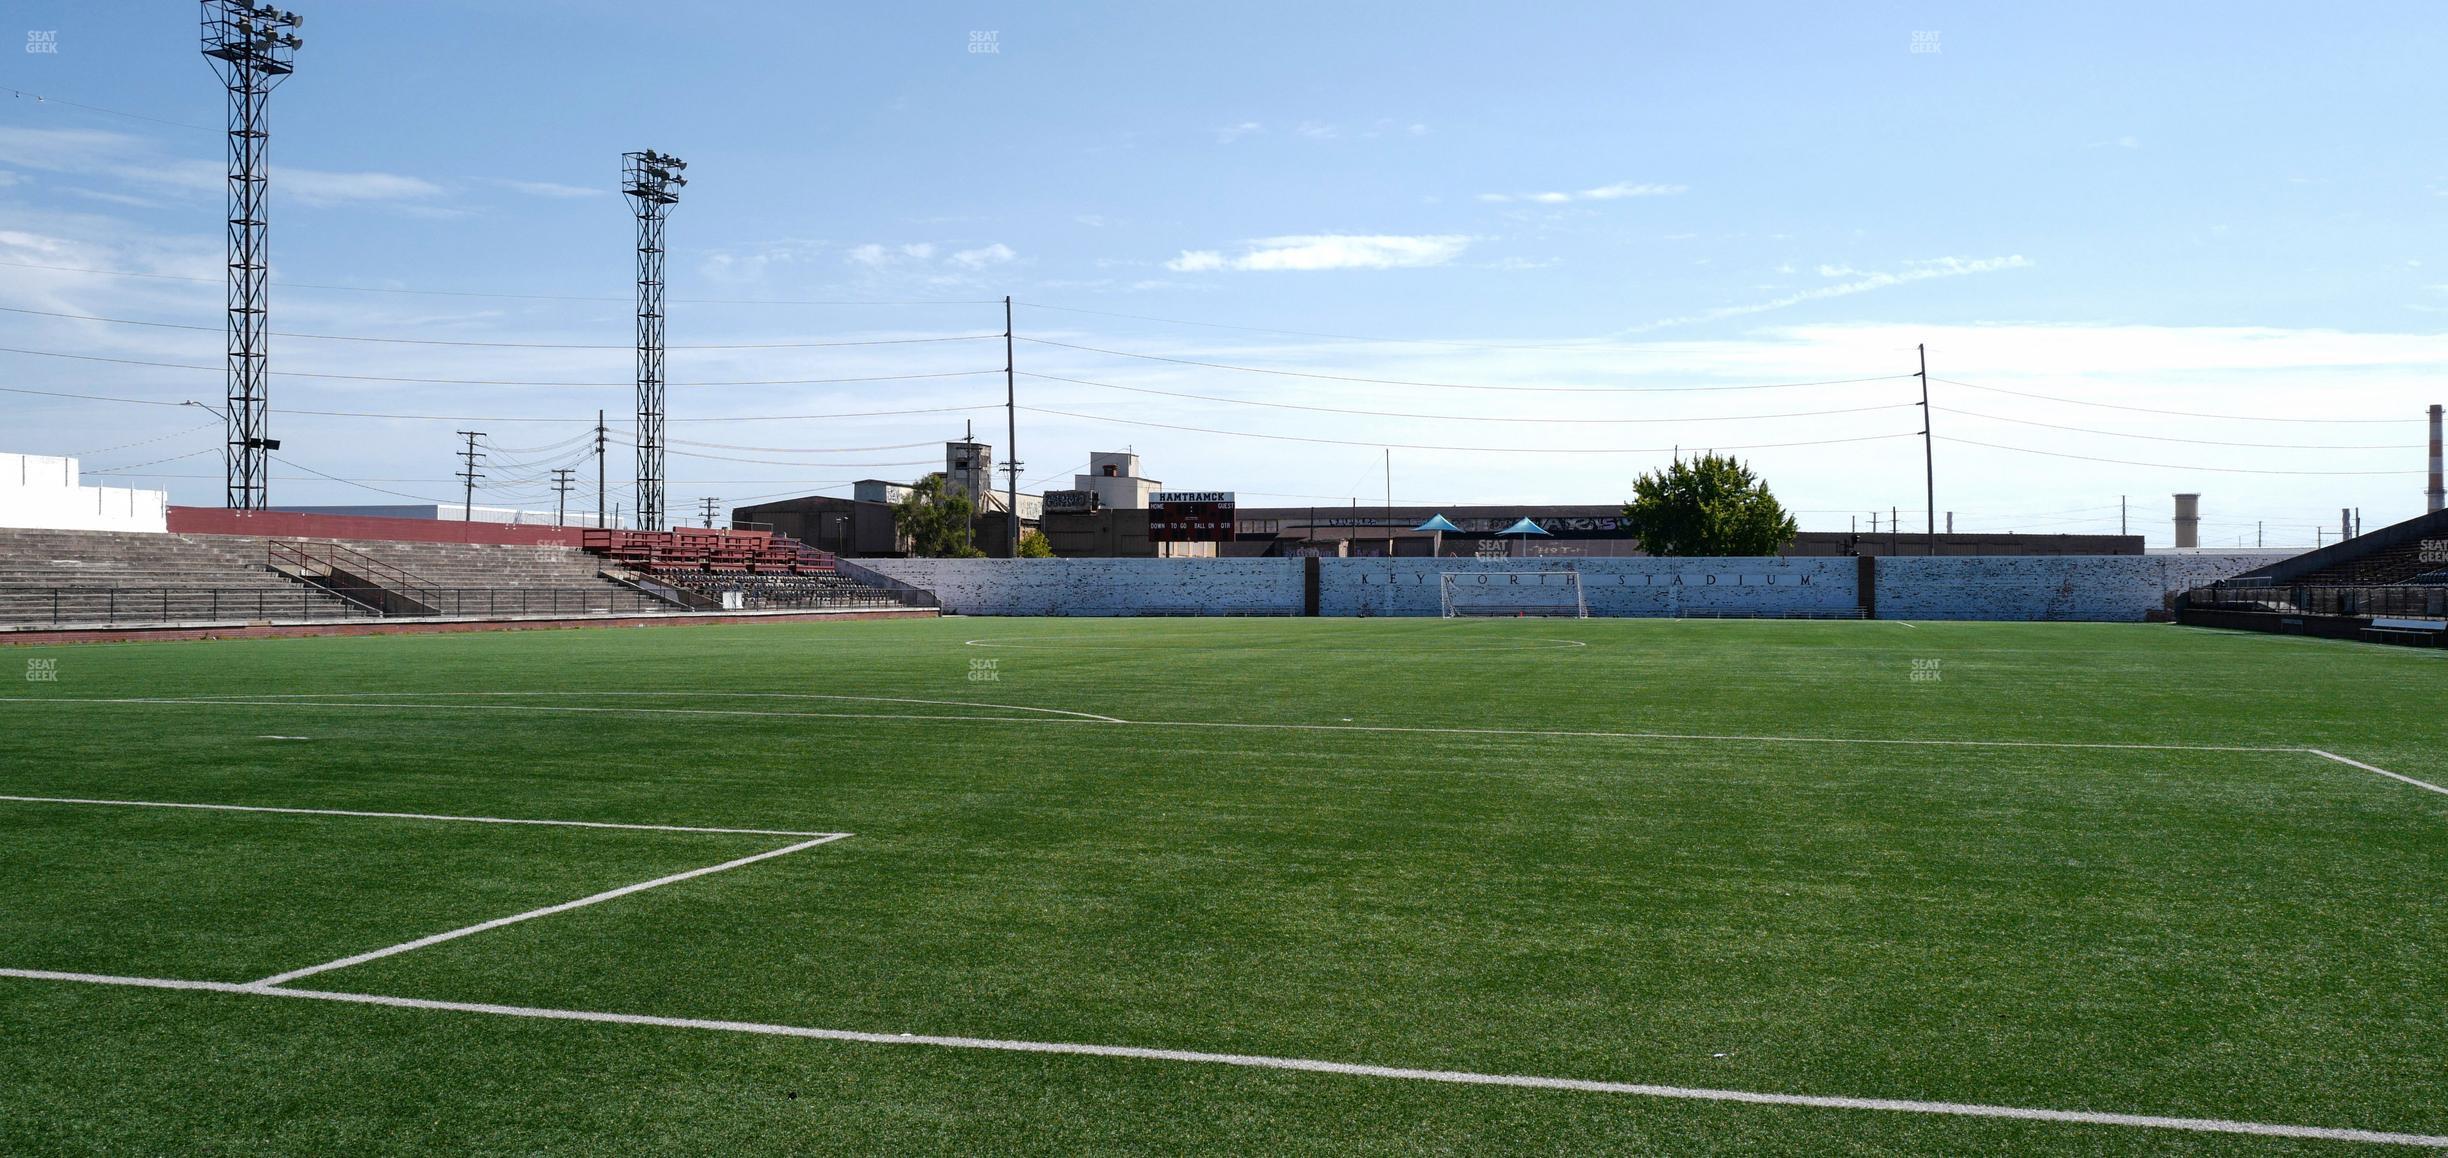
{"x":1929,"y":461}
{"x":1389,"y":507}
{"x":561,"y":490}
{"x":469,"y":475}
{"x":707,"y":503}
{"x":2121,"y":529}
{"x":652,"y":182}
{"x":1011,"y":435}
{"x":1895,"y":527}
{"x":599,"y":470}
{"x":2257,"y":534}
{"x":252,"y":50}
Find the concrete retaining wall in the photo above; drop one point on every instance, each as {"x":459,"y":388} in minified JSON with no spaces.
{"x":1634,"y":586}
{"x":2118,"y":588}
{"x":2112,"y":588}
{"x":1103,"y":586}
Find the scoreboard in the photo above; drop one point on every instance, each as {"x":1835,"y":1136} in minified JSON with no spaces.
{"x":1190,"y":517}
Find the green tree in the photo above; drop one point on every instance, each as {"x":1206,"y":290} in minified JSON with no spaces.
{"x":1033,"y":545}
{"x":1708,"y":505}
{"x":937,"y":525}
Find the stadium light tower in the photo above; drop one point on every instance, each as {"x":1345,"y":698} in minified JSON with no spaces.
{"x":252,"y":50}
{"x":652,"y":180}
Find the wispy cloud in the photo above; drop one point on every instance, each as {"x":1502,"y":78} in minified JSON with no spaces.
{"x":983,"y":256}
{"x":135,"y":161}
{"x":1913,"y":271}
{"x":1316,"y":130}
{"x":1616,"y":191}
{"x":1230,"y":133}
{"x":552,"y":189}
{"x":1328,"y":251}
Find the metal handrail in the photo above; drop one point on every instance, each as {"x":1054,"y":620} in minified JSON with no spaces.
{"x":63,"y":605}
{"x":2302,"y":599}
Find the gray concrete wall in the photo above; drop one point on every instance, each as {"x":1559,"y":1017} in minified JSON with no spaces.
{"x":2110,"y":588}
{"x":2116,"y":588}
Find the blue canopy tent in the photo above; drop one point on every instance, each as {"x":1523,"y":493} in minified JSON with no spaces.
{"x":1439,"y":524}
{"x":1524,"y":528}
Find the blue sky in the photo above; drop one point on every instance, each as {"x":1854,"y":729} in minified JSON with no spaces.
{"x":2230,"y":209}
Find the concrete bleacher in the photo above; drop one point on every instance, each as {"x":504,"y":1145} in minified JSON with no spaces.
{"x":75,"y":579}
{"x":51,"y":577}
{"x":479,"y":578}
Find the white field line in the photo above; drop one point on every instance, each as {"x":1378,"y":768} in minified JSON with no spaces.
{"x":1109,"y":721}
{"x":412,"y":816}
{"x":548,"y":910}
{"x":691,"y":694}
{"x":395,"y":705}
{"x":2422,"y":784}
{"x":1304,"y":1065}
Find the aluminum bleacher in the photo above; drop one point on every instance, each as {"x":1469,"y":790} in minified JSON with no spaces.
{"x":760,"y":569}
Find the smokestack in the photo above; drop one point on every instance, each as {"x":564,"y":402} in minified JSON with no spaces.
{"x":2437,"y":496}
{"x":2188,"y":520}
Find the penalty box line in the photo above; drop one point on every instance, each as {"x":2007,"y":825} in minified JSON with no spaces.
{"x":548,"y":910}
{"x":411,"y":816}
{"x":1296,"y":1064}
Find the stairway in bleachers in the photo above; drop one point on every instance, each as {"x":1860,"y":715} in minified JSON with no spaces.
{"x":85,"y":578}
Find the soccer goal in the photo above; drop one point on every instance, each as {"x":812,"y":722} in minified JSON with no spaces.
{"x":1512,"y":593}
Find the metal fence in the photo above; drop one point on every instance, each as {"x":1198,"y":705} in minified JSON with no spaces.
{"x":2413,"y":601}
{"x":117,"y":605}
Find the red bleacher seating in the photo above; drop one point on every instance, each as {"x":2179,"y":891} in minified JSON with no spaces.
{"x":699,"y":549}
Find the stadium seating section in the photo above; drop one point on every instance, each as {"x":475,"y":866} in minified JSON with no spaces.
{"x":100,"y":578}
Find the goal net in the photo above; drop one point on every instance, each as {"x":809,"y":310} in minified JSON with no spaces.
{"x":1511,"y":593}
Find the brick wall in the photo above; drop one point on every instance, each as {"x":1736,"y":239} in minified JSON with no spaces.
{"x":2068,"y":587}
{"x":2112,"y":588}
{"x":1103,"y":586}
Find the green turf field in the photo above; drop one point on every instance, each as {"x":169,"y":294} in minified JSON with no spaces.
{"x":1708,"y":857}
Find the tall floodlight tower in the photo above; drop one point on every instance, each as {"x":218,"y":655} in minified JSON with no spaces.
{"x":252,"y":50}
{"x":652,"y":180}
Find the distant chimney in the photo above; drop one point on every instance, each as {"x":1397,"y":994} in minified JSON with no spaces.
{"x":2188,"y":520}
{"x":2436,"y":495}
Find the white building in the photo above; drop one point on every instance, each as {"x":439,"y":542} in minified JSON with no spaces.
{"x":41,"y":491}
{"x":1113,"y":475}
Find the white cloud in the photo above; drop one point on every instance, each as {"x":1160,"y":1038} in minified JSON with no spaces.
{"x":980,"y":258}
{"x":1316,"y":130}
{"x":921,"y":250}
{"x":870,"y":254}
{"x":1230,"y":133}
{"x":1918,"y":270}
{"x":1417,"y":130}
{"x":1329,"y":251}
{"x":316,"y":187}
{"x":553,"y":189}
{"x":1616,"y":191}
{"x":135,"y":161}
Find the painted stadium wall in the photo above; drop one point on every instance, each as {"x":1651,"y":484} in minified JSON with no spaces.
{"x":2115,"y":588}
{"x":1103,"y":586}
{"x":1635,"y":586}
{"x":2112,"y":588}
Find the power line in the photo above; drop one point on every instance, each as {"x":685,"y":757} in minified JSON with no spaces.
{"x":1478,"y":449}
{"x":2149,"y":410}
{"x":2172,"y":438}
{"x":1584,"y":344}
{"x":1576,"y":421}
{"x":1460,"y":385}
{"x":498,"y":418}
{"x":40,"y":99}
{"x":360,"y":289}
{"x":2170,"y":465}
{"x":500,"y":345}
{"x":497,"y":381}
